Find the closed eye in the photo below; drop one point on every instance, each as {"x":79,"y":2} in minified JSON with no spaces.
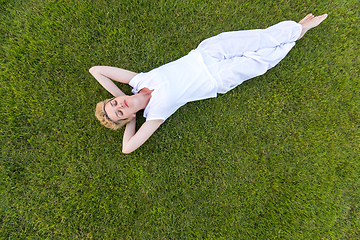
{"x":113,"y":103}
{"x":119,"y":113}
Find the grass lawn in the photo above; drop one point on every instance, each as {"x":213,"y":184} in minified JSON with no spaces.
{"x":276,"y":158}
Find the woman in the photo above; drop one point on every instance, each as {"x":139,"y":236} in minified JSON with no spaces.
{"x":217,"y":65}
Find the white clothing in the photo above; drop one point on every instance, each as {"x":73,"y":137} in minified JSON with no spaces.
{"x":217,"y":65}
{"x":233,"y":57}
{"x":175,"y":84}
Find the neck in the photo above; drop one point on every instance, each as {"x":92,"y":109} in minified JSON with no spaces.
{"x":143,"y":98}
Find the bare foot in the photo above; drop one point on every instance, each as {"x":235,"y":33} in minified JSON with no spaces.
{"x":311,"y":22}
{"x":306,"y":18}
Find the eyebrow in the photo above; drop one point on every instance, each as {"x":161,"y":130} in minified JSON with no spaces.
{"x":111,"y":104}
{"x":107,"y":116}
{"x":116,"y":111}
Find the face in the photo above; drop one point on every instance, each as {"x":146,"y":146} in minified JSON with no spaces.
{"x":120,"y":108}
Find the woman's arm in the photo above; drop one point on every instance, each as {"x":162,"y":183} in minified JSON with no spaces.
{"x":132,"y":140}
{"x":104,"y":75}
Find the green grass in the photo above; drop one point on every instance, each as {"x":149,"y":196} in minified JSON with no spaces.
{"x":276,"y":158}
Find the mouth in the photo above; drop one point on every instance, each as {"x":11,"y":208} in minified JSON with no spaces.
{"x":126,"y":104}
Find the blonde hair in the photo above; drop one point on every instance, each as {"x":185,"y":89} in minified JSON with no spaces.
{"x":102,"y":116}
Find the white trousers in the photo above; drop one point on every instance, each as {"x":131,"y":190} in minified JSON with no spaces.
{"x":233,"y":57}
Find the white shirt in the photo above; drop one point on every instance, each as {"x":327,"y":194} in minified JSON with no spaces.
{"x":174,"y":84}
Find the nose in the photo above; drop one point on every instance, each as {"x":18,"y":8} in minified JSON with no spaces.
{"x":120,"y":105}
